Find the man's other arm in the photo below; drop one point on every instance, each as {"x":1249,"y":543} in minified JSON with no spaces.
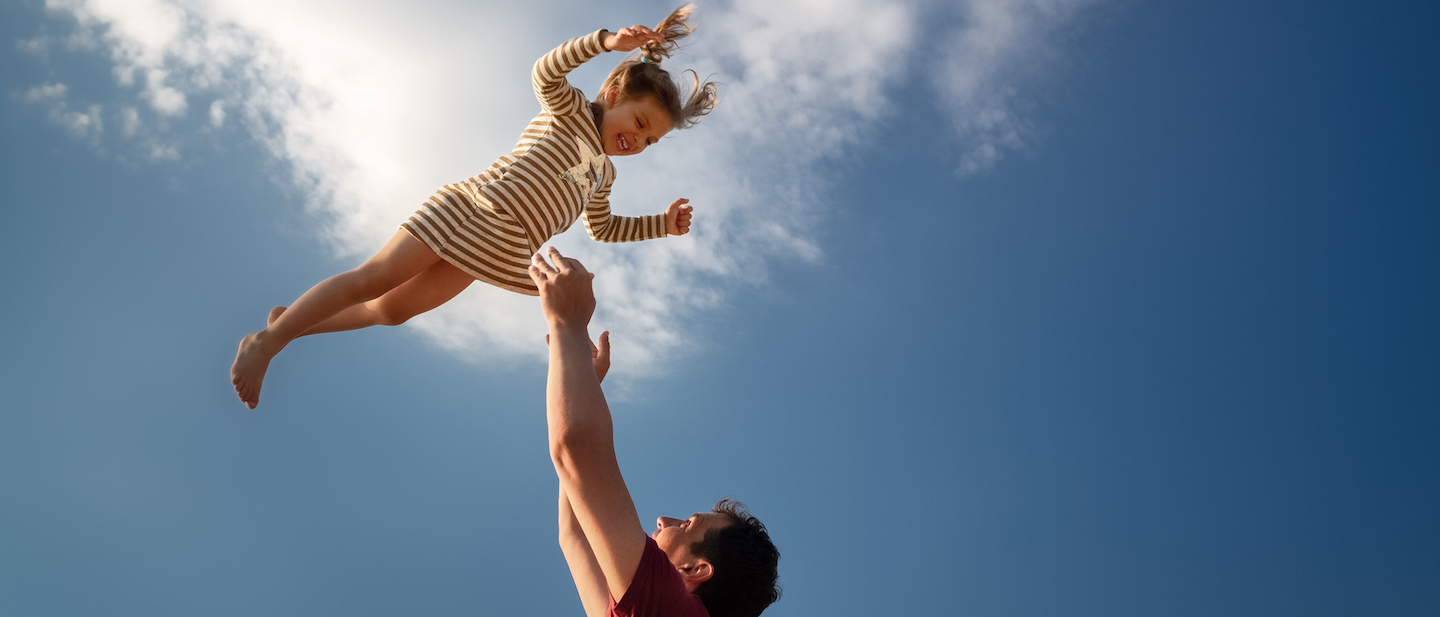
{"x":581,"y":435}
{"x":589,"y":579}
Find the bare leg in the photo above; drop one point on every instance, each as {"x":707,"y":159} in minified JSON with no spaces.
{"x":401,"y":259}
{"x":427,"y":290}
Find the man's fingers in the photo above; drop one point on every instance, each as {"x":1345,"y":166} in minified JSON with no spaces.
{"x":574,"y":264}
{"x":556,"y":257}
{"x":537,"y":262}
{"x":604,"y":345}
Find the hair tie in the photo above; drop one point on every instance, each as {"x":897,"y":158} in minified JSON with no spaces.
{"x":644,"y":58}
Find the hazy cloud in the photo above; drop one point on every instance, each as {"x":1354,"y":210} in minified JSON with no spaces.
{"x":81,"y":124}
{"x":217,"y":114}
{"x":985,"y":66}
{"x":45,"y":93}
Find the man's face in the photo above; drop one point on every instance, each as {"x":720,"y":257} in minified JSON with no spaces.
{"x":674,"y":536}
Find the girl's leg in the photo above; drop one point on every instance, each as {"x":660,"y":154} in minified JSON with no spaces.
{"x":425,"y":291}
{"x":401,"y":259}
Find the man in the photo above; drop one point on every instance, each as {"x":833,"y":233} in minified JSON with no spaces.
{"x":719,"y":563}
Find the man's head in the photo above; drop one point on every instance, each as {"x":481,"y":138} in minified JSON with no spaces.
{"x":725,"y":556}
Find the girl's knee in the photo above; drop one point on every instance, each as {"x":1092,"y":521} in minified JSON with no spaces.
{"x":390,"y":315}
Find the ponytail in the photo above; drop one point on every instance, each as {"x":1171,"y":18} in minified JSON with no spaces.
{"x":674,"y":27}
{"x":640,"y":75}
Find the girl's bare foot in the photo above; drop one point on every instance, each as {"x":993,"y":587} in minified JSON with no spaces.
{"x":274,"y":314}
{"x":248,"y":371}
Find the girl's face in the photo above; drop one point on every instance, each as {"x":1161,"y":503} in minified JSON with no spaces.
{"x":631,"y":125}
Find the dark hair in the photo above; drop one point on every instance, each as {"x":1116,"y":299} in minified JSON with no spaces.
{"x":641,"y":76}
{"x":744,"y":561}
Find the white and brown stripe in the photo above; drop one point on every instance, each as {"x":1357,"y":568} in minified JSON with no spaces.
{"x":491,"y":224}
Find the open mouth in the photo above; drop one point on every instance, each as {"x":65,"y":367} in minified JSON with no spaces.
{"x":620,"y":141}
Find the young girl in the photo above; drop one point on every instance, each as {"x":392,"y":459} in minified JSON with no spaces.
{"x":488,"y":227}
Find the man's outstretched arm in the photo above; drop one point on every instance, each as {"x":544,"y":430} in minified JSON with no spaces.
{"x":582,"y":443}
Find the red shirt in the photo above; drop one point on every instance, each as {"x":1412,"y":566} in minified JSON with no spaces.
{"x":657,"y":590}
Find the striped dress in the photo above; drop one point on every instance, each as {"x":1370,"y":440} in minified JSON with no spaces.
{"x":491,"y":224}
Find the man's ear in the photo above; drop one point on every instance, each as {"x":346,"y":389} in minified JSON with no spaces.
{"x":695,"y":573}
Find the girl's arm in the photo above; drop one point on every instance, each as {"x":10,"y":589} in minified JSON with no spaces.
{"x":556,"y":94}
{"x":607,"y":227}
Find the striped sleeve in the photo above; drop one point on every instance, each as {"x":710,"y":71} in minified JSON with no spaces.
{"x":556,"y":94}
{"x":607,"y":227}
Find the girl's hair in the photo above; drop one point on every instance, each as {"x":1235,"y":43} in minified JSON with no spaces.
{"x":642,"y":76}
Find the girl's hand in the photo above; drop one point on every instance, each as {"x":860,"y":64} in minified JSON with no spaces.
{"x":677,"y":218}
{"x":628,"y":39}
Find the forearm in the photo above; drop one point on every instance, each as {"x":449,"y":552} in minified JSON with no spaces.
{"x":604,"y":226}
{"x":589,"y":579}
{"x":550,"y":70}
{"x":613,"y":228}
{"x":576,"y":412}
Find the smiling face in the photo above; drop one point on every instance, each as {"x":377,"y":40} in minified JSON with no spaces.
{"x":631,"y":124}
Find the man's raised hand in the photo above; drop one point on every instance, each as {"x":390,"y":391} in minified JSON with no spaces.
{"x":565,"y":293}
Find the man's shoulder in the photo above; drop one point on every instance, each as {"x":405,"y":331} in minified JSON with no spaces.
{"x":657,"y":590}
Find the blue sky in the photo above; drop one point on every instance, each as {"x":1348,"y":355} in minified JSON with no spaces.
{"x":1034,"y":307}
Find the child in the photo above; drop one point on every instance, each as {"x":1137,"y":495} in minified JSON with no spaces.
{"x":488,"y":227}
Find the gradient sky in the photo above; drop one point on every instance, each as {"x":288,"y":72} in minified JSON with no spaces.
{"x":1001,"y":308}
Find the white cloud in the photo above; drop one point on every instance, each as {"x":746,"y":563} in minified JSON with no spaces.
{"x":162,"y":98}
{"x":371,"y":106}
{"x":38,"y":47}
{"x":985,"y":65}
{"x":81,"y":124}
{"x":217,"y":114}
{"x":46,"y":93}
{"x":129,"y":121}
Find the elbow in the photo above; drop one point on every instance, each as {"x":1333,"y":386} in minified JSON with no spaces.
{"x":569,"y":452}
{"x":597,"y":231}
{"x":563,"y":449}
{"x":538,"y":78}
{"x":560,"y":456}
